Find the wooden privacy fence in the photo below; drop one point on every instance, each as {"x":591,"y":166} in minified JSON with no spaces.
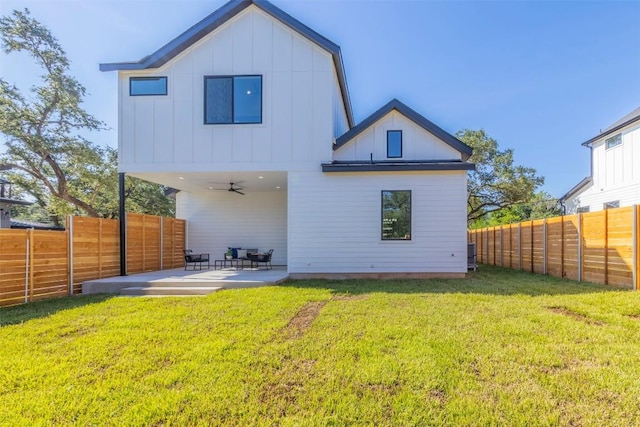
{"x":37,"y":264}
{"x":599,"y":247}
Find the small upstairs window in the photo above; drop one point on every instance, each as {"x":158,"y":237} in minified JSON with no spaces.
{"x":394,"y":144}
{"x":232,"y":99}
{"x":583,"y":209}
{"x":614,"y":141}
{"x":147,"y":86}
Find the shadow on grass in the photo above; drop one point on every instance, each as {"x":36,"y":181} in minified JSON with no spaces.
{"x":34,"y":310}
{"x":487,"y":280}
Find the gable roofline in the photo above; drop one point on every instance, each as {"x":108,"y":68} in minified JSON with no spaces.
{"x":630,"y":118}
{"x":412,"y":115}
{"x":579,"y":186}
{"x":219,"y":18}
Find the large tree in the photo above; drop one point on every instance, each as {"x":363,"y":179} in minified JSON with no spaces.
{"x":49,"y":158}
{"x":497,"y":183}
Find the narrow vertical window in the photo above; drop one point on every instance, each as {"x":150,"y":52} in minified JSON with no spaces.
{"x":394,"y":144}
{"x":147,"y":86}
{"x":396,"y":215}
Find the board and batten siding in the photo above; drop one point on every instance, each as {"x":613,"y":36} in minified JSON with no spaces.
{"x":616,"y":174}
{"x":168,"y":134}
{"x":335,"y":223}
{"x":217,"y":220}
{"x":417,"y":143}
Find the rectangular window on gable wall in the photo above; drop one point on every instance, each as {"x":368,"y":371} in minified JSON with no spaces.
{"x":147,"y":86}
{"x":396,"y":215}
{"x":394,"y":144}
{"x":614,"y":141}
{"x":232,"y":99}
{"x":611,"y":205}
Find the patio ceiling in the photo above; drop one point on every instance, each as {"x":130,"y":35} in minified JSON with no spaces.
{"x":209,"y":181}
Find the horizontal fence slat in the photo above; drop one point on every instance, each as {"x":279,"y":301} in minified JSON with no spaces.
{"x":598,"y":244}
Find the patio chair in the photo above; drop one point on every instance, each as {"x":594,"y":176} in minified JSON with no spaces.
{"x":191,"y":258}
{"x":264,"y":259}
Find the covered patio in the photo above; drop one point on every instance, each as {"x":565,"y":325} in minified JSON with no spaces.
{"x":179,"y":282}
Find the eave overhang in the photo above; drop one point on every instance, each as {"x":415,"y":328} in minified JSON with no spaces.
{"x":611,"y":130}
{"x":412,"y":115}
{"x":394,"y":166}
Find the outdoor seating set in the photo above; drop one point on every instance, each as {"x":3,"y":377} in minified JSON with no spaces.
{"x":234,"y":257}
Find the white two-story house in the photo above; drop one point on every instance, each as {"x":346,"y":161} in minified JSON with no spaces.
{"x":247,"y":114}
{"x":615,"y":169}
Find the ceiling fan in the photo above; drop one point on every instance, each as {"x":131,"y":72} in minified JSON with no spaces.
{"x":233,"y":188}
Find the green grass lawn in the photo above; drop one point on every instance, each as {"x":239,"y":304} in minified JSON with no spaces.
{"x":500,"y":348}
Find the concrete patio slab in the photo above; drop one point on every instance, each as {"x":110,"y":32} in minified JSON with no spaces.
{"x":181,"y":282}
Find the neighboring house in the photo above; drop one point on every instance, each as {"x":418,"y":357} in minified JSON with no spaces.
{"x":615,"y":169}
{"x":250,"y":99}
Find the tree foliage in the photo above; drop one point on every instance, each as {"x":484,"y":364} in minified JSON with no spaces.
{"x":497,"y":183}
{"x":540,"y":205}
{"x":61,"y":170}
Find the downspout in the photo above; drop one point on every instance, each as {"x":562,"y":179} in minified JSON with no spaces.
{"x":123,"y":226}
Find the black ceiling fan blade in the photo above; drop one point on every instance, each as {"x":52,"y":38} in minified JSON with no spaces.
{"x":235,"y":190}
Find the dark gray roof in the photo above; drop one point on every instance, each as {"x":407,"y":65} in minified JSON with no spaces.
{"x":630,"y":118}
{"x":15,"y":201}
{"x":576,"y":188}
{"x":221,"y":16}
{"x":418,"y":119}
{"x":395,"y":166}
{"x":22,"y":223}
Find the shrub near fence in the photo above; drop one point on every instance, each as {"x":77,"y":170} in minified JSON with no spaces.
{"x":599,"y":247}
{"x":38,"y":264}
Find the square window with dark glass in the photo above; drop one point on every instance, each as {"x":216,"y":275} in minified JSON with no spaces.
{"x":233,"y":99}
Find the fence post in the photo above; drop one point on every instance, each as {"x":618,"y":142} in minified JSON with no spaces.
{"x":533,"y":264}
{"x":501,"y":254}
{"x":161,"y":243}
{"x":486,"y":243}
{"x":579,"y":247}
{"x":634,"y":245}
{"x":520,"y":246}
{"x":70,"y":245}
{"x":562,"y":243}
{"x":26,"y":267}
{"x":606,"y":246}
{"x":31,"y":262}
{"x":99,"y":248}
{"x":544,"y":246}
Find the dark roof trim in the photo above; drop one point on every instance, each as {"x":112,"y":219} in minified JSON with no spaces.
{"x":220,"y":17}
{"x":387,"y":166}
{"x":20,"y":224}
{"x":614,"y":129}
{"x":417,"y":118}
{"x":15,"y":201}
{"x":576,"y":188}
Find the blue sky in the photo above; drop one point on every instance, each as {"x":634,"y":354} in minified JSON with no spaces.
{"x":541,"y":77}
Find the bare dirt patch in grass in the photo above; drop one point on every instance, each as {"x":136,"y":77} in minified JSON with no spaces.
{"x":303,"y":319}
{"x":360,"y":297}
{"x":634,"y":316}
{"x":574,"y":315}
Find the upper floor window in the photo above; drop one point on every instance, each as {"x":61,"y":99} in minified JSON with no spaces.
{"x":145,"y":86}
{"x":232,"y":99}
{"x":614,"y":141}
{"x":583,"y":209}
{"x":611,"y":205}
{"x":394,"y":144}
{"x":396,"y":215}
